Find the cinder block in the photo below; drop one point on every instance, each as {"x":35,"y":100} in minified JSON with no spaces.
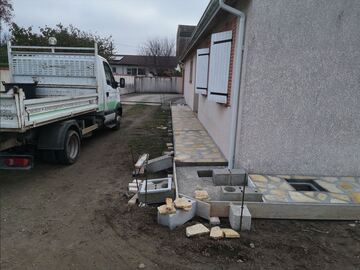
{"x":237,"y":177}
{"x":235,"y":216}
{"x":157,"y":190}
{"x":235,"y":193}
{"x":202,"y":208}
{"x":179,"y":218}
{"x":159,"y":164}
{"x":221,"y":177}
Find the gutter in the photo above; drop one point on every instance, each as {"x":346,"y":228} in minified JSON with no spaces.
{"x":236,"y":85}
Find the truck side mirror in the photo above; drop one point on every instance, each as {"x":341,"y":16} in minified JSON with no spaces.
{"x":122,"y":83}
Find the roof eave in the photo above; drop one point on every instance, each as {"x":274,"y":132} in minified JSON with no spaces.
{"x":211,"y":11}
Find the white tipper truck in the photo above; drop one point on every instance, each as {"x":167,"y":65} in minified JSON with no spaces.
{"x":55,"y":97}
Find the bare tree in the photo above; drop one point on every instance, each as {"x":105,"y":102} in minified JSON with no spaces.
{"x":158,"y":47}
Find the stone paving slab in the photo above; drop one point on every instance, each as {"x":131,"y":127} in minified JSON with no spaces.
{"x":339,"y":190}
{"x":193,"y":145}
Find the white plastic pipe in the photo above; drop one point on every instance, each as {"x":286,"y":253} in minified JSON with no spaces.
{"x":235,"y":92}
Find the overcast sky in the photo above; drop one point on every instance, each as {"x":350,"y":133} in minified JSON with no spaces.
{"x":130,"y":22}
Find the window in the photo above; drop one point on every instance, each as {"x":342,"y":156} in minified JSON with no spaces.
{"x":141,"y":71}
{"x":191,"y":72}
{"x":108,"y":75}
{"x":114,"y":69}
{"x":131,"y":71}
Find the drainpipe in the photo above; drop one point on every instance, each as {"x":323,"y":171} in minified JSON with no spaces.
{"x":236,"y":85}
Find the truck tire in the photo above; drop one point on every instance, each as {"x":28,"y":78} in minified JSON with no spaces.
{"x":117,"y":122}
{"x":71,"y":151}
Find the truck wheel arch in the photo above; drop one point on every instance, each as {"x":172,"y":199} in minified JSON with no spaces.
{"x":52,"y":137}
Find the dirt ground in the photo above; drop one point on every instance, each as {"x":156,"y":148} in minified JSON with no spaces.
{"x":77,"y":217}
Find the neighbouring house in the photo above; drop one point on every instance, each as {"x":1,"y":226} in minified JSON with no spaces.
{"x":183,"y":37}
{"x":277,"y":86}
{"x":140,"y":65}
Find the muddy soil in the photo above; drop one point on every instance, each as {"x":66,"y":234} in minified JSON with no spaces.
{"x":77,"y":217}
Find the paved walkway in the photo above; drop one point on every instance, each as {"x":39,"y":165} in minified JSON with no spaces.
{"x":193,"y":145}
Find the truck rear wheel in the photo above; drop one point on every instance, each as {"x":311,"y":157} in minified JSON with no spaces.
{"x":71,"y":150}
{"x":117,"y":121}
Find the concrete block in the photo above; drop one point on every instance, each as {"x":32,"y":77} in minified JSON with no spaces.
{"x":214,"y":221}
{"x":157,"y":190}
{"x":221,"y":177}
{"x":237,"y":177}
{"x":202,"y":208}
{"x":235,"y":216}
{"x":226,"y":177}
{"x":179,"y":218}
{"x":159,"y":164}
{"x":235,"y":193}
{"x":196,"y":230}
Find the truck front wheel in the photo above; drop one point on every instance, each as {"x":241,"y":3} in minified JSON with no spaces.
{"x":71,"y":150}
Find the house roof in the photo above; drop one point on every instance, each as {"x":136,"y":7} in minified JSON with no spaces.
{"x":183,"y":37}
{"x":168,"y":62}
{"x":186,"y":30}
{"x":210,"y":13}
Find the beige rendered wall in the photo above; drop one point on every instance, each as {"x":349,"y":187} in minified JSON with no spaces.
{"x":189,"y":87}
{"x":216,"y":120}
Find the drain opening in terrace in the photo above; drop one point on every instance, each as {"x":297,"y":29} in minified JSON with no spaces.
{"x":205,"y":173}
{"x":305,"y":185}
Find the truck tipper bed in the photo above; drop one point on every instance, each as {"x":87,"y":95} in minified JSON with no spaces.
{"x":55,"y":97}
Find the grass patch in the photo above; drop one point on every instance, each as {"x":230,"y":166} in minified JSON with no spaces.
{"x":151,"y":138}
{"x":135,"y":109}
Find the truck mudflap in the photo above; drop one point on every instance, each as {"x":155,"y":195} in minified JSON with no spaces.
{"x":16,"y":162}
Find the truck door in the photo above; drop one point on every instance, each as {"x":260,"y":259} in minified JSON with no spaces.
{"x":112,"y":94}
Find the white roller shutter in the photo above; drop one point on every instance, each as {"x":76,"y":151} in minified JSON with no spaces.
{"x":219,"y":66}
{"x":202,"y":66}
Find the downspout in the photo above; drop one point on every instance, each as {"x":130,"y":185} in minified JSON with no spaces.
{"x":236,"y":85}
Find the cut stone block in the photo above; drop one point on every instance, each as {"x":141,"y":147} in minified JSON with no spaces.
{"x":178,"y":218}
{"x":183,"y":203}
{"x":159,"y":164}
{"x":196,"y":230}
{"x":157,"y":190}
{"x":216,"y":233}
{"x":229,"y":233}
{"x":201,"y":195}
{"x":214,"y":221}
{"x":235,"y":193}
{"x":165,"y":210}
{"x":235,"y":216}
